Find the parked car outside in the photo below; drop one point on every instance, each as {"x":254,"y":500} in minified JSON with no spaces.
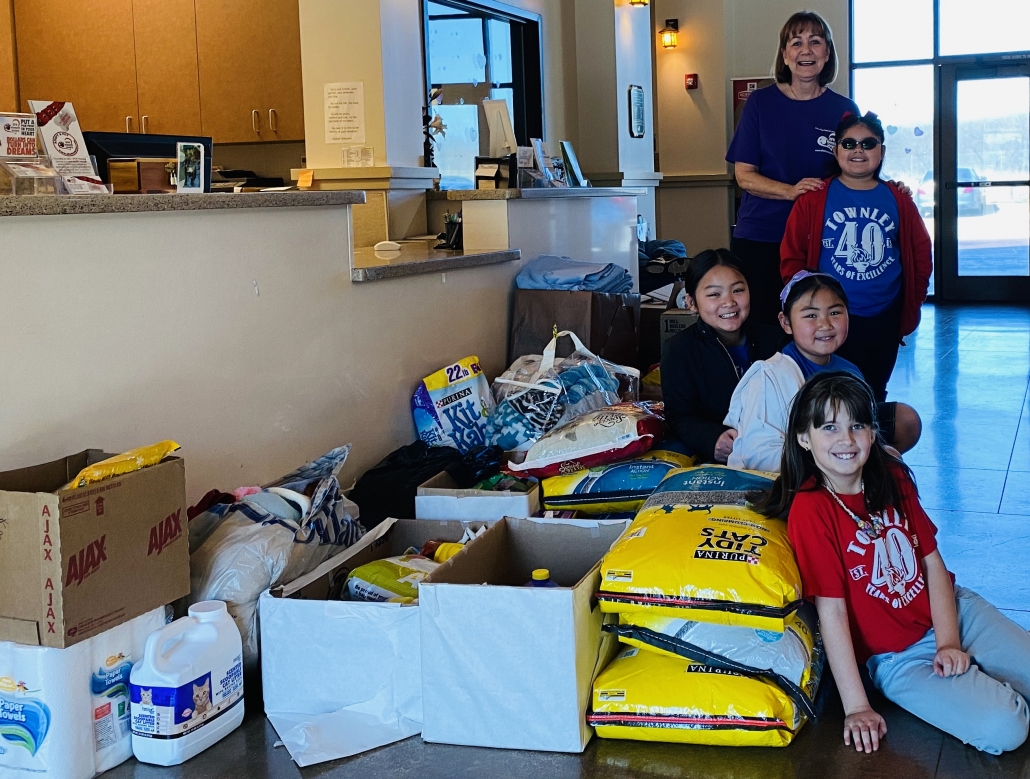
{"x":971,"y":201}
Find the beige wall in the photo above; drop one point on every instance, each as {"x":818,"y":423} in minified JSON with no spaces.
{"x":238,"y":333}
{"x":719,"y":40}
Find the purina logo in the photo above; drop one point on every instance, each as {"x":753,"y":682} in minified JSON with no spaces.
{"x":165,"y":532}
{"x":86,"y":562}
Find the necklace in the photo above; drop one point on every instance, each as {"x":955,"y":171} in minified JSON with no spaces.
{"x":790,"y":86}
{"x":872,"y":527}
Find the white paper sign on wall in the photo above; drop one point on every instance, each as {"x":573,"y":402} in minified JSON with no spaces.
{"x":345,"y":112}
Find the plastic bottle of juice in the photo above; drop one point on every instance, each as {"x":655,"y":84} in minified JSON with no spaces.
{"x":541,"y":578}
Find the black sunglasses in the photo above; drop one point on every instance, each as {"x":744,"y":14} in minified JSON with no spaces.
{"x":866,"y":143}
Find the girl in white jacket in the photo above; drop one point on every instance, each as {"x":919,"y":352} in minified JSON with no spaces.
{"x":815,"y":313}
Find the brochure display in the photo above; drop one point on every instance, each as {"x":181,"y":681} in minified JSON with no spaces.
{"x":63,"y":142}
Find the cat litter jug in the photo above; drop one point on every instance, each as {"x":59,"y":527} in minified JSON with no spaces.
{"x":187,"y":692}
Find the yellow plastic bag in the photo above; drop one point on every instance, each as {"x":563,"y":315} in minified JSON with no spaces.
{"x":133,"y":460}
{"x":690,"y":555}
{"x":614,"y":488}
{"x":646,"y":696}
{"x":390,"y":580}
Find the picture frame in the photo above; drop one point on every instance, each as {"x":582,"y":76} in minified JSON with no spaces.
{"x":189,"y":168}
{"x":637,"y":120}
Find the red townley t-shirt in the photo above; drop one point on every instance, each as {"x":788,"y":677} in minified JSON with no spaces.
{"x":881,"y":579}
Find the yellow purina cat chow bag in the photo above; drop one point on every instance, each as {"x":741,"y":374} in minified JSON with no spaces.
{"x":697,"y":552}
{"x":646,"y":696}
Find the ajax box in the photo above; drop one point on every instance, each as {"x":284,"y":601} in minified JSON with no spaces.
{"x":77,"y":562}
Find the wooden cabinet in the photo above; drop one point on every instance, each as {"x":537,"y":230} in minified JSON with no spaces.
{"x":248,"y":53}
{"x":167,"y":84}
{"x":8,"y":81}
{"x":79,"y":51}
{"x":225,"y":68}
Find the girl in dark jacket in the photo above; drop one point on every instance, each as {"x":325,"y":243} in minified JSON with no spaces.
{"x":702,"y":365}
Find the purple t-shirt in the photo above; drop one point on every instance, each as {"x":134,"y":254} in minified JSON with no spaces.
{"x":787,"y":140}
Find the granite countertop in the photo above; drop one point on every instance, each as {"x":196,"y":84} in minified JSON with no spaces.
{"x":49,"y":205}
{"x":418,"y":256}
{"x":533,"y":194}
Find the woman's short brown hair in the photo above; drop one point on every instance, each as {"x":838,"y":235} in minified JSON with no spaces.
{"x":799,"y":22}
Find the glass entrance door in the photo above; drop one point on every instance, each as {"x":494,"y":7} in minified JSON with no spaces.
{"x":983,"y":182}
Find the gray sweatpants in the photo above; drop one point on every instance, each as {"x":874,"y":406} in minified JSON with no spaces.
{"x":986,"y":707}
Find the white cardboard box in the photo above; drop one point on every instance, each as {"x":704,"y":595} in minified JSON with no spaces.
{"x":510,"y":666}
{"x":342,"y":677}
{"x":440,"y":498}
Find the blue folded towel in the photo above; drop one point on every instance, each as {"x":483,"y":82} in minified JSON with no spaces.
{"x":550,"y":272}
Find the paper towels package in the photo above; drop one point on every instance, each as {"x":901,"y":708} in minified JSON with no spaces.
{"x":305,"y":629}
{"x":64,"y":713}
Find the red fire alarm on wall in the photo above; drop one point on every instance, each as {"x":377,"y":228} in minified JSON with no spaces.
{"x":690,"y":81}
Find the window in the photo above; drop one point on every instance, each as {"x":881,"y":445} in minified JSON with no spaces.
{"x":898,"y":50}
{"x":474,"y":52}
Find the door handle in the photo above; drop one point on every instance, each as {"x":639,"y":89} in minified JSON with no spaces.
{"x":273,"y":122}
{"x":128,"y":124}
{"x":254,"y":119}
{"x":144,"y":123}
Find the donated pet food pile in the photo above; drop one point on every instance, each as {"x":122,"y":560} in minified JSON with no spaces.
{"x":707,"y":594}
{"x":701,"y":592}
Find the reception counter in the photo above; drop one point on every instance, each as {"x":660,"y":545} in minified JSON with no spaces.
{"x":229,"y":323}
{"x":596,"y":224}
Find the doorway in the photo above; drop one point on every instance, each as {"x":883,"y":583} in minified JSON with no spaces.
{"x":950,"y":80}
{"x":983,"y":192}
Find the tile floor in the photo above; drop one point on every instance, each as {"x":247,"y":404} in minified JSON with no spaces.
{"x":967,"y":372}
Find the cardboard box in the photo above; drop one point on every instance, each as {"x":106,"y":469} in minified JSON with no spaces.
{"x":675,"y":320}
{"x":510,"y":666}
{"x":607,"y":324}
{"x":74,"y":563}
{"x":341,"y":677}
{"x":440,"y":498}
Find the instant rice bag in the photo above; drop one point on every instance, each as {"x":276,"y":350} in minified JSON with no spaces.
{"x":604,"y":436}
{"x":617,"y":487}
{"x":697,"y":552}
{"x":647,"y":696}
{"x":391,"y":580}
{"x":451,"y":407}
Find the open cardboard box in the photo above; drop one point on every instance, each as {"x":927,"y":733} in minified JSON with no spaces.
{"x":74,"y":563}
{"x":441,"y":498}
{"x":341,"y":677}
{"x":504,"y":665}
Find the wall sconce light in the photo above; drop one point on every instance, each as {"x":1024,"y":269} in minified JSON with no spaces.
{"x":669,"y":32}
{"x":638,"y":2}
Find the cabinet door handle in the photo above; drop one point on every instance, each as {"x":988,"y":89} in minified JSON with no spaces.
{"x":254,"y":119}
{"x":143,"y":123}
{"x":273,"y":122}
{"x":128,"y":124}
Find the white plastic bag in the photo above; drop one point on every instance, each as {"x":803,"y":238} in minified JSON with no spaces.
{"x":540,"y":392}
{"x":243,"y":550}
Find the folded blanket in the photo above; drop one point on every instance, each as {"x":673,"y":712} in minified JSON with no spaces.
{"x":550,"y":272}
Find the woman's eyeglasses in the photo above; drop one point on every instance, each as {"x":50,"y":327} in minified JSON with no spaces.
{"x":866,"y":143}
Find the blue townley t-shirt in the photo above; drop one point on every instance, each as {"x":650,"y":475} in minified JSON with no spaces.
{"x":787,"y":140}
{"x":860,"y":246}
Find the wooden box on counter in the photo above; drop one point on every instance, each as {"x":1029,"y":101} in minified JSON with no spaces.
{"x":143,"y":175}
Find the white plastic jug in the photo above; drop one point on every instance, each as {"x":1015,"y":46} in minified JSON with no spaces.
{"x":187,"y":692}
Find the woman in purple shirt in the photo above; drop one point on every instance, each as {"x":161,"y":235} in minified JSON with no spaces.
{"x":782,"y":148}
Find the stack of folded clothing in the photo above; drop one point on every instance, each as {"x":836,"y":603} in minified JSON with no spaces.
{"x":550,"y":272}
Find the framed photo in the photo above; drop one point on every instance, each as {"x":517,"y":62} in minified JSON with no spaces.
{"x":189,"y":167}
{"x":636,"y":111}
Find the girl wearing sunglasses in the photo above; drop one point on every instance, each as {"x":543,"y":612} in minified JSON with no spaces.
{"x":867,"y":234}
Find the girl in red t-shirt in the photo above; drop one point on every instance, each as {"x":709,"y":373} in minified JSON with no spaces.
{"x":868,"y":557}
